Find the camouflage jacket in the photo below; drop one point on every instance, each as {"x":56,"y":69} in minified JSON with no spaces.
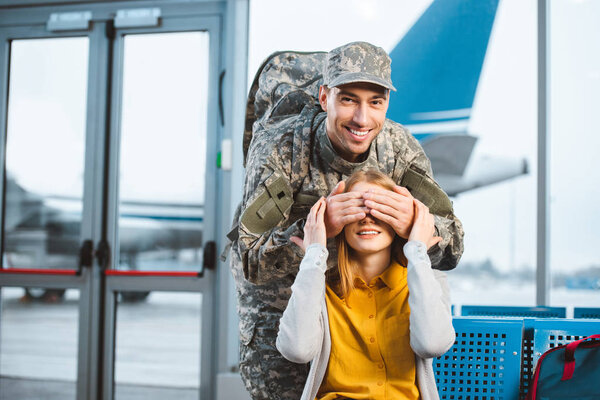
{"x":292,"y":161}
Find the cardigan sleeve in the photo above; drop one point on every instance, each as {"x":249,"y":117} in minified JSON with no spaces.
{"x":301,"y":328}
{"x":431,"y":330}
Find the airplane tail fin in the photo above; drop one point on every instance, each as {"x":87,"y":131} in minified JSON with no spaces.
{"x":437,"y":64}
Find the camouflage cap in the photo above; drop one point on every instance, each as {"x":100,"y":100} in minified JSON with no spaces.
{"x":358,"y":62}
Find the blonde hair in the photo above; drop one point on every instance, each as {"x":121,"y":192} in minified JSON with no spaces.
{"x":347,"y":270}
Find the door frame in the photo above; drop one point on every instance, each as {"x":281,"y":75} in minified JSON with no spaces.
{"x":83,"y":279}
{"x":203,"y":283}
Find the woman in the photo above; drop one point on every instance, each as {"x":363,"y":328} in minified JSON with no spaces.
{"x":371,"y":330}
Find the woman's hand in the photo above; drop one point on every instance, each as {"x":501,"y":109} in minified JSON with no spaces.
{"x":423,"y":227}
{"x":314,"y":228}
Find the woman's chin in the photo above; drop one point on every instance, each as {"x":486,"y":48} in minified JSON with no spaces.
{"x":364,"y":251}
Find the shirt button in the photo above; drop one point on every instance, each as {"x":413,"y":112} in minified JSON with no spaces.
{"x":379,"y":383}
{"x":372,"y":340}
{"x":371,"y":316}
{"x":380,"y":365}
{"x":370,"y":294}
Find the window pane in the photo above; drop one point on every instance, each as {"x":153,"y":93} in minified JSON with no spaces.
{"x":574,"y":141}
{"x":163,"y":151}
{"x":45,"y":152}
{"x":38,"y":343}
{"x":498,"y":265}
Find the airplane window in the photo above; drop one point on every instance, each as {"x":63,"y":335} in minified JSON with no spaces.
{"x":163,"y":151}
{"x":45,"y":152}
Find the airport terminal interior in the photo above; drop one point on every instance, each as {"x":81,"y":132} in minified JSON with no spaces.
{"x":121,"y":149}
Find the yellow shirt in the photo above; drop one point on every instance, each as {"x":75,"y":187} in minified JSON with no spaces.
{"x":371,"y":357}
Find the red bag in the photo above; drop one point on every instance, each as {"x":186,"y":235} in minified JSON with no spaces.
{"x":559,"y":375}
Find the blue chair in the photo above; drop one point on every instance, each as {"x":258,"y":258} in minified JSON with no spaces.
{"x":586,"y":312}
{"x":484,"y":363}
{"x":514,"y":311}
{"x":527,"y":366}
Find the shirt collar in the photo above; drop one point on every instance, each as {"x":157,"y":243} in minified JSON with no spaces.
{"x":393,"y":276}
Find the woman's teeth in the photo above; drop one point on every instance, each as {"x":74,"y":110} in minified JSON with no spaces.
{"x":358,"y":133}
{"x":368,"y":233}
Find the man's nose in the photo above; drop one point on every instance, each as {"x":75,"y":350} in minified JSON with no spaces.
{"x":360,"y":115}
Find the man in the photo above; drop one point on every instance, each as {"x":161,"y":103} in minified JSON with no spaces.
{"x":291,"y":163}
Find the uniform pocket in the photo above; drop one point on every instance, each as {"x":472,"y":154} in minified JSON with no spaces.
{"x":247,"y":329}
{"x":302,"y":204}
{"x":307,"y":200}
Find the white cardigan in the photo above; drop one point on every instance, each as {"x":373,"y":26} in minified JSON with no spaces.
{"x":304,"y":327}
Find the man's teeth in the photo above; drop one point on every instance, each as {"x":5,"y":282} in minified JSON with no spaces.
{"x":358,"y":133}
{"x":368,"y":233}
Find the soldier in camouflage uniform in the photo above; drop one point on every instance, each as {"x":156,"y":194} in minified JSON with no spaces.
{"x":294,"y":161}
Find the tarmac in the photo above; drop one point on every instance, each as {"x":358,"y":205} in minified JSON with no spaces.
{"x":33,"y":389}
{"x":157,"y":353}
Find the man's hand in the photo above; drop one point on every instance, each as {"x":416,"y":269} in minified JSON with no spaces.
{"x":342,"y":209}
{"x":395,"y":208}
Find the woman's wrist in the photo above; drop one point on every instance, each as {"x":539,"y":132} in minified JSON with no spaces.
{"x":315,"y":255}
{"x":316,"y":246}
{"x":416,"y":252}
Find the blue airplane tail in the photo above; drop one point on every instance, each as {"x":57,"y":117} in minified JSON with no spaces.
{"x":437,"y":64}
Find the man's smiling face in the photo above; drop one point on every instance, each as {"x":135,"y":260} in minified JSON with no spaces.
{"x":355,"y":116}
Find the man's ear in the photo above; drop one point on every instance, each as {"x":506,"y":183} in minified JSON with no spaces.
{"x":323,"y":93}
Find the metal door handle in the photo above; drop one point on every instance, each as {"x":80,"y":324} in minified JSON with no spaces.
{"x":210,"y":255}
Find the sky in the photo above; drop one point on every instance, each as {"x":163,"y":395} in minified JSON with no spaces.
{"x":500,"y":220}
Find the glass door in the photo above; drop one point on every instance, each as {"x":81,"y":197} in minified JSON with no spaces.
{"x":45,"y":274}
{"x":109,"y":206}
{"x":161,"y":223}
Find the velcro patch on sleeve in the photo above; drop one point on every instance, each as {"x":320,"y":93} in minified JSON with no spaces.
{"x":269,"y":207}
{"x":426,"y":191}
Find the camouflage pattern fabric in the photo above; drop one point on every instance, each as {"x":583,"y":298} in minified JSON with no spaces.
{"x":266,"y":374}
{"x":358,"y":62}
{"x":264,"y":264}
{"x":285,"y":83}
